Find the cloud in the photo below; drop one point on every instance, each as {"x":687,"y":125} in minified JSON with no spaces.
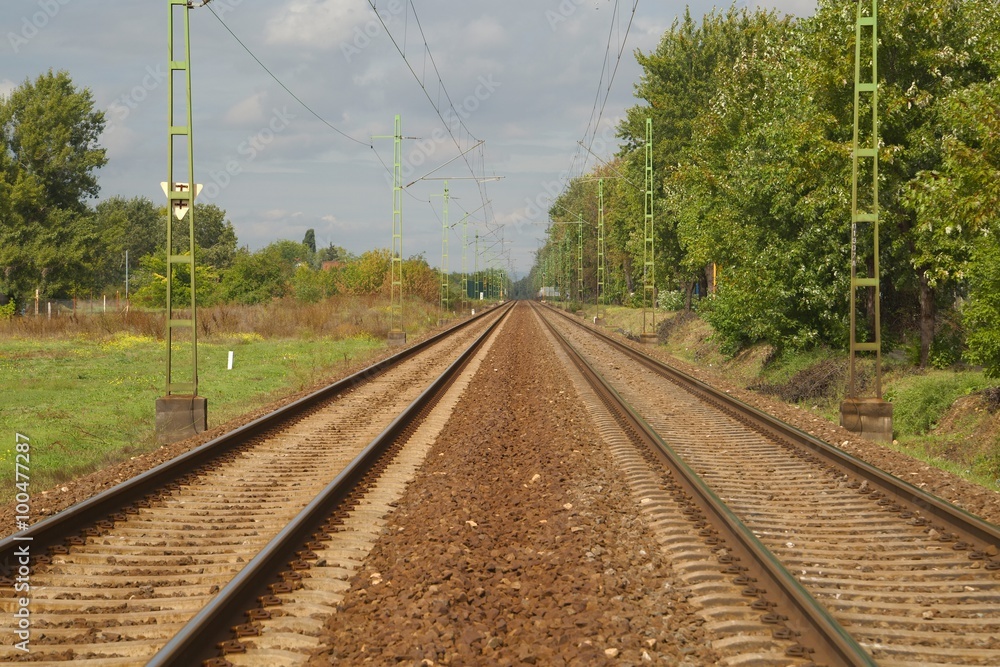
{"x":247,"y":112}
{"x":484,"y":33}
{"x":323,"y":24}
{"x":280,"y":214}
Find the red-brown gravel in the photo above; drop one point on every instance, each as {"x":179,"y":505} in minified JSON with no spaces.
{"x":518,"y":543}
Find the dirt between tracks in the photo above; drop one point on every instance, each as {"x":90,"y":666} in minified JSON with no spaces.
{"x":518,"y":543}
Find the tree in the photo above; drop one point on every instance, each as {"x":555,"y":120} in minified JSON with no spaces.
{"x":263,"y":275}
{"x":309,"y":241}
{"x":48,"y":137}
{"x":123,"y":224}
{"x":151,"y":283}
{"x":253,"y":278}
{"x":215,"y":236}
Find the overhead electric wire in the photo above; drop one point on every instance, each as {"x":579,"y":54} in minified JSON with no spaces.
{"x":611,"y":80}
{"x":402,"y":52}
{"x":280,"y":83}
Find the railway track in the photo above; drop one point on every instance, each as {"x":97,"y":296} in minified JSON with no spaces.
{"x":901,"y":574}
{"x":117,"y":577}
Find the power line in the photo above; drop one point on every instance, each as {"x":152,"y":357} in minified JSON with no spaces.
{"x":427,"y":53}
{"x":621,"y":50}
{"x":280,"y":83}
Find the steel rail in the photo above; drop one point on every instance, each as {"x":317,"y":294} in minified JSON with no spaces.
{"x":830,"y":642}
{"x":55,"y":529}
{"x":969,"y":528}
{"x":198,"y":640}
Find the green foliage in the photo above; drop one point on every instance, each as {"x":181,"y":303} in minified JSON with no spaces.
{"x":151,"y":284}
{"x":920,"y":402}
{"x":309,"y":285}
{"x":252,"y":278}
{"x":48,"y":156}
{"x":7,"y":310}
{"x":752,"y":133}
{"x":982,"y":314}
{"x":309,"y":241}
{"x":671,"y":300}
{"x":123,"y":224}
{"x":215,"y":236}
{"x":368,"y":275}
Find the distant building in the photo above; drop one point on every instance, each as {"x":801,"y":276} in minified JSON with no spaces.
{"x":548,"y":293}
{"x":330,"y":265}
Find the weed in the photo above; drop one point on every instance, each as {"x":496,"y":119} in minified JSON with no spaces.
{"x":920,"y":401}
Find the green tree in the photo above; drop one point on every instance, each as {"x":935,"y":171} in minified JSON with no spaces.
{"x":123,"y":224}
{"x":215,"y":236}
{"x":151,"y":283}
{"x":49,"y":132}
{"x":309,"y":240}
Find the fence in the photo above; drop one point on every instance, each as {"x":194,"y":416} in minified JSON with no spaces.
{"x":105,"y":303}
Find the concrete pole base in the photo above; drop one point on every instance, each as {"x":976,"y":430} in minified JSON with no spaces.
{"x":868,"y":417}
{"x":180,"y":417}
{"x":397,"y":338}
{"x":647,"y":338}
{"x":599,"y":321}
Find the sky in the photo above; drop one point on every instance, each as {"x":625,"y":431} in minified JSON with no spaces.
{"x":528,"y":78}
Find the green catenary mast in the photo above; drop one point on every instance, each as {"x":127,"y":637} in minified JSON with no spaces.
{"x":600,"y":251}
{"x":180,"y":413}
{"x":872,"y":417}
{"x":648,"y":266}
{"x":396,"y":334}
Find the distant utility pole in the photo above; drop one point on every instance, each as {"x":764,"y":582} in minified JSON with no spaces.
{"x":648,"y":266}
{"x":600,"y":253}
{"x":180,"y":413}
{"x":396,"y":334}
{"x":444,"y":254}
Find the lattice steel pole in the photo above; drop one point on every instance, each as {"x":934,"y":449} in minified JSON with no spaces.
{"x":648,"y":265}
{"x":444,"y":253}
{"x":465,"y":272}
{"x":872,"y":417}
{"x":600,"y":252}
{"x":397,"y":336}
{"x":180,"y":413}
{"x":579,"y":260}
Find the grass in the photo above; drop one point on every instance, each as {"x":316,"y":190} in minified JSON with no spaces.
{"x":920,"y":401}
{"x":87,"y":402}
{"x":82,"y":386}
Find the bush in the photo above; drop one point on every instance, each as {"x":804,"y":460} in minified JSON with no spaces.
{"x":671,"y":300}
{"x":919,"y":404}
